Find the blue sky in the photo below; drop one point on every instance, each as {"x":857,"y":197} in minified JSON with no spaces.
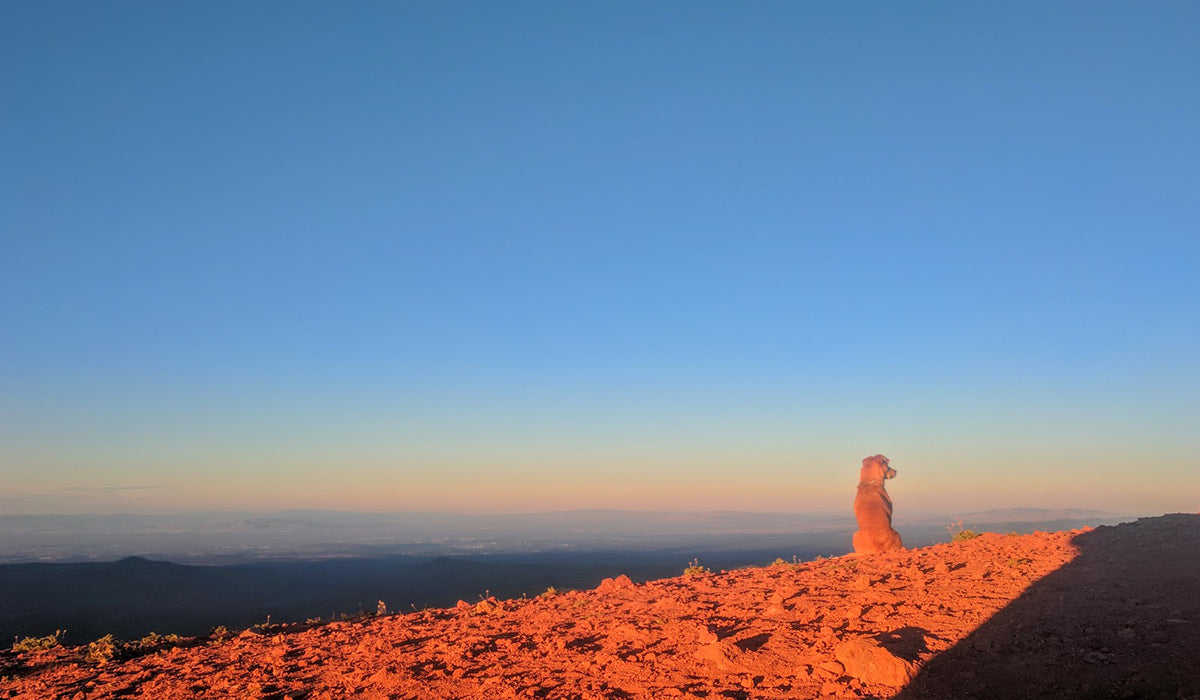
{"x":531,"y":256}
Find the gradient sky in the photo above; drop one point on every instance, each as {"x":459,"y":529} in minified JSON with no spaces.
{"x":513,"y":256}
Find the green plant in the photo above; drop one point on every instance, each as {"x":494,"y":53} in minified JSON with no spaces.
{"x":149,"y":641}
{"x":695,"y":569}
{"x":38,"y":643}
{"x":219,"y":634}
{"x":153,"y":641}
{"x":959,"y":533}
{"x":101,"y":651}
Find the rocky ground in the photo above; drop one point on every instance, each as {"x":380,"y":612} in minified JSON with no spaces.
{"x":1109,"y":612}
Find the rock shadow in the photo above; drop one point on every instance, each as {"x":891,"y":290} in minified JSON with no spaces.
{"x":753,"y":643}
{"x":907,"y":643}
{"x":1121,"y":620}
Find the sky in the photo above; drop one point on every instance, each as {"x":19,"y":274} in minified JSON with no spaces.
{"x":532,"y":256}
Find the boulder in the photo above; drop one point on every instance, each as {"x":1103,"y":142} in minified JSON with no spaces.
{"x":868,"y":661}
{"x":620,"y":583}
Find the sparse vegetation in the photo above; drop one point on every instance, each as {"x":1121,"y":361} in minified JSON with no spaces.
{"x":780,"y":561}
{"x":959,"y":533}
{"x":695,"y":569}
{"x":153,"y":641}
{"x":381,"y":608}
{"x":550,"y":591}
{"x":219,"y":634}
{"x":38,"y":643}
{"x":101,"y":651}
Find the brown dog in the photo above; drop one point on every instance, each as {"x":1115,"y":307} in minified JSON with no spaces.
{"x":873,"y":509}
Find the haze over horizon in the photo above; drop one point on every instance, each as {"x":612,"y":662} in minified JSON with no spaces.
{"x":480,"y":257}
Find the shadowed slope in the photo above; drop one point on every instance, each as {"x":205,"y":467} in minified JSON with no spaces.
{"x":1121,"y":620}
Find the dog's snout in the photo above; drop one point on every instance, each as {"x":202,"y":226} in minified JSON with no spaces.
{"x":891,"y":473}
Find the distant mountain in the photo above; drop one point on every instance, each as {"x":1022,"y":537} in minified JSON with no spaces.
{"x":1035,"y":515}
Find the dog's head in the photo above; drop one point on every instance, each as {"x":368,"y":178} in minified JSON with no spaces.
{"x":875,"y":468}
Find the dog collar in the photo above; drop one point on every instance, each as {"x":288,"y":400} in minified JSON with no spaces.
{"x":871,"y":482}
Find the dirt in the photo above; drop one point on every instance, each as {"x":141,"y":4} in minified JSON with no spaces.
{"x":1095,"y":613}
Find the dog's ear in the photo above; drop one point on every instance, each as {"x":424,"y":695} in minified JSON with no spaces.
{"x":876,"y":461}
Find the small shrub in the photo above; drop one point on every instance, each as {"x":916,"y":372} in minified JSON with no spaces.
{"x":154,"y":641}
{"x":381,"y":608}
{"x":101,"y":651}
{"x":148,"y":642}
{"x":219,"y":634}
{"x":38,"y":643}
{"x":959,"y":533}
{"x":550,"y":592}
{"x":695,"y":569}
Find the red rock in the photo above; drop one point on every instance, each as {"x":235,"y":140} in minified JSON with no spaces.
{"x":619,"y":583}
{"x":725,"y":656}
{"x":869,"y":662}
{"x":831,"y":667}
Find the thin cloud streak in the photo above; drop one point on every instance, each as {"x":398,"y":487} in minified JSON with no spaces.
{"x":105,"y":489}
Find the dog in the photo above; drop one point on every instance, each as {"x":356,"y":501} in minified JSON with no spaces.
{"x":873,"y":509}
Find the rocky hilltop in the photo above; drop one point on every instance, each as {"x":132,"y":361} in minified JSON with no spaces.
{"x":1095,"y":613}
